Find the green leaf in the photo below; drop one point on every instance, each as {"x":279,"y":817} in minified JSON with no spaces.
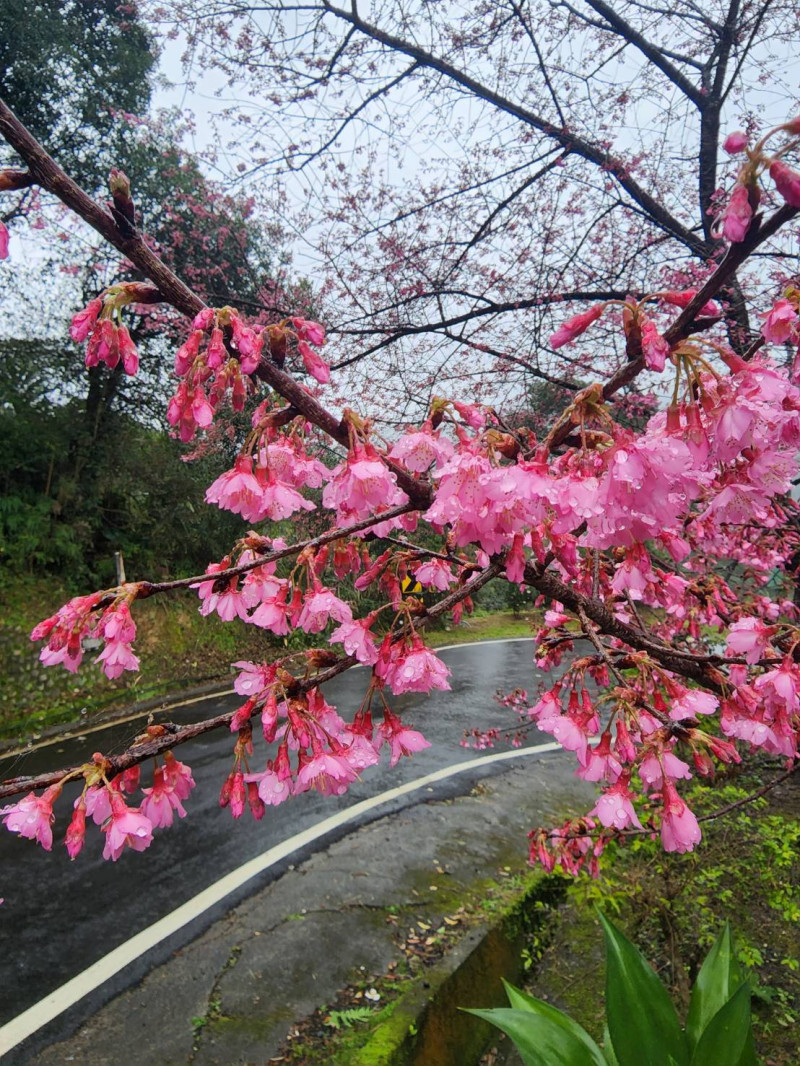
{"x":725,"y":1038}
{"x":642,"y":1021}
{"x":520,"y":1000}
{"x":608,"y":1047}
{"x":545,"y":1036}
{"x":718,"y":979}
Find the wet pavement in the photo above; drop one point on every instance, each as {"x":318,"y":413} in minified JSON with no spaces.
{"x":60,"y":917}
{"x":234,"y":993}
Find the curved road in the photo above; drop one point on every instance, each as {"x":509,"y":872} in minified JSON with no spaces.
{"x":60,"y":917}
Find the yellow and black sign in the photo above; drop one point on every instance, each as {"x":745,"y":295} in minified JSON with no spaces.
{"x":410,"y":586}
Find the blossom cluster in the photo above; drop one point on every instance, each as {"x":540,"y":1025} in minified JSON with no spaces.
{"x":109,"y":341}
{"x":316,"y":748}
{"x":90,"y":617}
{"x":102,"y":800}
{"x":221,"y":358}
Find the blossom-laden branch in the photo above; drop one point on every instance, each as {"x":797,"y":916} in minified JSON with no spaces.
{"x":600,"y":520}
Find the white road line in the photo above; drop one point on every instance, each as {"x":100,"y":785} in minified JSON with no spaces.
{"x":78,"y":734}
{"x":27,"y":1023}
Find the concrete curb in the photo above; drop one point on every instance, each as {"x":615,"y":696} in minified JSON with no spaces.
{"x":427,"y":1023}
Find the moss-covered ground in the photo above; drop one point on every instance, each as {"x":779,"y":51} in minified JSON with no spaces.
{"x":376,"y":1022}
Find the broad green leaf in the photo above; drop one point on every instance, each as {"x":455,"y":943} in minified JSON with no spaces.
{"x":748,"y":1056}
{"x":608,"y":1048}
{"x":642,"y":1021}
{"x":520,"y":1000}
{"x":724,"y":1039}
{"x":718,"y":979}
{"x":543,"y":1039}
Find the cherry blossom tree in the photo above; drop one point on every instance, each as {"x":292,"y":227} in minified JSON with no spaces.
{"x":654,"y":541}
{"x":469,"y":168}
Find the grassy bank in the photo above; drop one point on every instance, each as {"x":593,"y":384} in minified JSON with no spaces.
{"x":746,"y":871}
{"x":177,"y":648}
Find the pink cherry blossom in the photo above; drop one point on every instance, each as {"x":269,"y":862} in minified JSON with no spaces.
{"x":188,"y":352}
{"x":235,"y":795}
{"x":321,"y":606}
{"x":161,"y":801}
{"x":692,"y":702}
{"x":309,"y":331}
{"x":358,"y":639}
{"x":256,"y":679}
{"x":66,"y":630}
{"x":314,"y":364}
{"x":738,"y":215}
{"x":222,"y":595}
{"x":435,"y":574}
{"x":189,"y":410}
{"x":515,"y":561}
{"x":290,"y":464}
{"x":118,"y":630}
{"x":412,"y":669}
{"x":576,"y":325}
{"x":254,"y":801}
{"x":236,"y":490}
{"x":654,"y":348}
{"x":204,"y":319}
{"x":650,"y":769}
{"x":780,"y":688}
{"x":248,"y":343}
{"x":84,"y":321}
{"x":684,"y":298}
{"x":679,"y":828}
{"x":33,"y":817}
{"x":749,"y":637}
{"x":271,"y":788}
{"x":419,"y":449}
{"x":179,"y":776}
{"x":128,"y":352}
{"x":117,"y":657}
{"x":98,"y":804}
{"x":277,"y":500}
{"x":787,"y":182}
{"x":781,"y":324}
{"x":76,"y":830}
{"x":472,"y":413}
{"x":273,"y":612}
{"x":735,"y":142}
{"x":401,"y":741}
{"x":329,"y":774}
{"x":126,"y":827}
{"x":359,"y":751}
{"x":362,"y":486}
{"x":600,"y":763}
{"x":614,"y":808}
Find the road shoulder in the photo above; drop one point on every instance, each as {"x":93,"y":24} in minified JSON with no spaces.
{"x":338,"y":920}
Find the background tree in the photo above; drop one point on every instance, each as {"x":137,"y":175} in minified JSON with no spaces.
{"x":71,"y":68}
{"x":105,"y":476}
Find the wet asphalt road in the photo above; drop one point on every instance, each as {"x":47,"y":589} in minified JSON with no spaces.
{"x":61,"y":916}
